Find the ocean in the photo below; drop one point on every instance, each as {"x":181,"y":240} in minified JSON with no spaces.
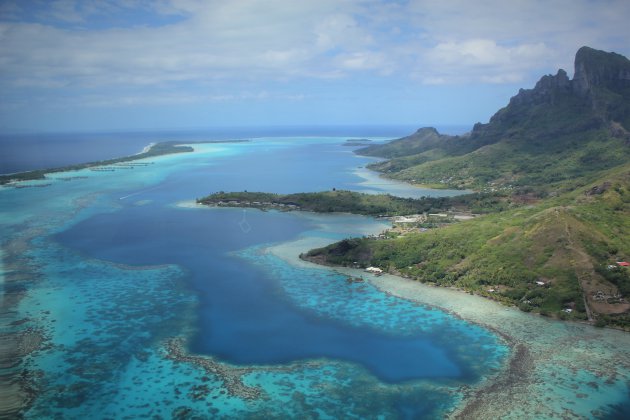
{"x":127,"y":300}
{"x":25,"y":152}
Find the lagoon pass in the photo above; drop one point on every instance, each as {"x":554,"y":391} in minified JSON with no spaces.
{"x":123,"y":299}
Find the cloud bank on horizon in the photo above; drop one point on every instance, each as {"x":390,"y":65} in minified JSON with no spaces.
{"x":94,"y":64}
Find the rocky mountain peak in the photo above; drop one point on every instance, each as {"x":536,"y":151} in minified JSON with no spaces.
{"x":424,"y":131}
{"x":544,"y":91}
{"x":601,"y":83}
{"x":595,"y":68}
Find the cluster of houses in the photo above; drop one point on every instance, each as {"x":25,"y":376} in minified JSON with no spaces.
{"x":374,"y":270}
{"x":376,"y":237}
{"x":604,"y":297}
{"x":422,"y":218}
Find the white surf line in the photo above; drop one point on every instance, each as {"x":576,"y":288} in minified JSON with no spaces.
{"x":146,"y":148}
{"x":139,"y":192}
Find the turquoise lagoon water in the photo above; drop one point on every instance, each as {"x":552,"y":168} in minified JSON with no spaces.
{"x":135,"y":307}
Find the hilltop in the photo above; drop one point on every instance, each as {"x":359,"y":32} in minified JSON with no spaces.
{"x":557,"y":156}
{"x":553,"y":138}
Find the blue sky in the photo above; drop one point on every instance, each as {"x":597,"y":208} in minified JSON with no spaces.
{"x":73,"y":65}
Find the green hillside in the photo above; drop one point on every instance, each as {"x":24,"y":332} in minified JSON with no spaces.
{"x":559,"y":135}
{"x":557,"y":157}
{"x":567,"y":243}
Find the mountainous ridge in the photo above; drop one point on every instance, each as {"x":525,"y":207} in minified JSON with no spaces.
{"x":560,"y":122}
{"x":558,"y":156}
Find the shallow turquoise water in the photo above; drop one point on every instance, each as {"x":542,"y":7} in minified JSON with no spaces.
{"x":109,"y":271}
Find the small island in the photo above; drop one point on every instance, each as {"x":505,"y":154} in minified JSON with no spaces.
{"x":153,"y":150}
{"x":376,"y":205}
{"x":358,"y":142}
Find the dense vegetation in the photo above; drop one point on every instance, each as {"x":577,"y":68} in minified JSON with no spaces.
{"x":358,"y":203}
{"x":525,"y":159}
{"x":559,"y":150}
{"x":558,"y":136}
{"x":569,"y":243}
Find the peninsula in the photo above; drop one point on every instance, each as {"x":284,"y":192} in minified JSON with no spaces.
{"x":153,"y":150}
{"x":341,"y":201}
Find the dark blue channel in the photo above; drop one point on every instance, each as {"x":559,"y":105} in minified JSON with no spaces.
{"x":243,"y":317}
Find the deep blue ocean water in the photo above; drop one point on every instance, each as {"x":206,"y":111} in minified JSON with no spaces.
{"x":243,"y":319}
{"x":118,"y":268}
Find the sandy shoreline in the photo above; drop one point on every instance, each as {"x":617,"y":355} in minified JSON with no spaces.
{"x":189,"y":204}
{"x":556,"y":369}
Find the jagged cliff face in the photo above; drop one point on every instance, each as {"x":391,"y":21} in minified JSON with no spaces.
{"x":553,"y":136}
{"x":600,"y":89}
{"x":545,"y":90}
{"x":594,"y":70}
{"x":598,"y":69}
{"x":603,"y":80}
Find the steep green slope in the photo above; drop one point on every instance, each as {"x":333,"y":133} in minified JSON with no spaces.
{"x":570,"y":160}
{"x":562,"y":151}
{"x":423,"y":140}
{"x":567,"y":243}
{"x":561,"y":130}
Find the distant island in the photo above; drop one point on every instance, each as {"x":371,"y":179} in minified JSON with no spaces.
{"x":153,"y":150}
{"x":552,"y":176}
{"x":358,"y":142}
